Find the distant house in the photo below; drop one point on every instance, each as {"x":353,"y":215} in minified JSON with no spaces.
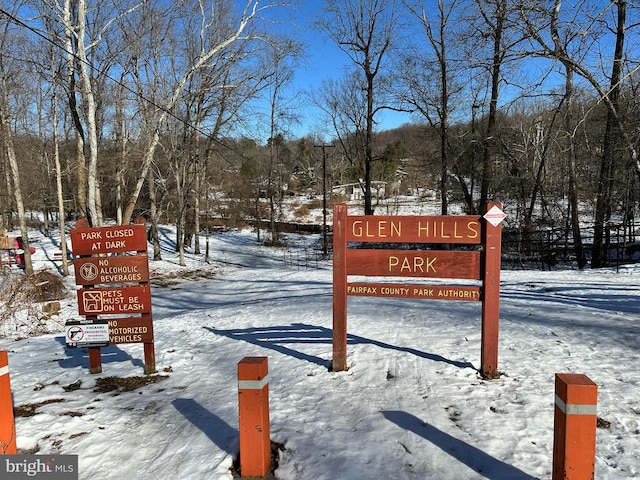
{"x":354,"y":191}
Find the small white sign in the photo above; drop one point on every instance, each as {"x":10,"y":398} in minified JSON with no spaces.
{"x":84,"y":334}
{"x":495,"y":216}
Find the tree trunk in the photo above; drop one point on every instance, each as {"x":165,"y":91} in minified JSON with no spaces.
{"x":444,"y":109}
{"x":9,"y":206}
{"x":608,"y":161}
{"x":180,"y":217}
{"x":7,"y":140}
{"x":56,"y":158}
{"x":121,"y":142}
{"x":489,"y":140}
{"x":88,"y":100}
{"x":196,"y":210}
{"x":368,"y":146}
{"x":573,"y":175}
{"x":81,"y":172}
{"x":153,"y":229}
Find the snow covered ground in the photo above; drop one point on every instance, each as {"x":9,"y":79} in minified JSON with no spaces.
{"x":411,"y":406}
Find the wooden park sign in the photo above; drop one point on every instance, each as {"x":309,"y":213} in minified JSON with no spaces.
{"x":112,"y":266}
{"x":482,"y":265}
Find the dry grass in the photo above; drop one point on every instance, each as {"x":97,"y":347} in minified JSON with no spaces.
{"x":42,"y":286}
{"x":125,"y":384}
{"x":22,"y":296}
{"x":29,"y":410}
{"x":302,"y":211}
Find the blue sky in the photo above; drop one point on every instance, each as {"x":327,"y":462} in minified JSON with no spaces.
{"x":323,"y":60}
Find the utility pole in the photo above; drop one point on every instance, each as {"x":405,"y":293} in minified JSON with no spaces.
{"x":324,"y":196}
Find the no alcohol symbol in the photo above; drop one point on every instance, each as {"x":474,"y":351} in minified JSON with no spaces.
{"x":88,"y":271}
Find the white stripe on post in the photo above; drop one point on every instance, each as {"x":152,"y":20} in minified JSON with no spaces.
{"x":253,"y":384}
{"x":4,"y":370}
{"x":575,"y":409}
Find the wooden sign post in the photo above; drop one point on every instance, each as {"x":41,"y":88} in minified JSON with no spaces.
{"x":117,"y":286}
{"x":483,"y":265}
{"x":4,"y":245}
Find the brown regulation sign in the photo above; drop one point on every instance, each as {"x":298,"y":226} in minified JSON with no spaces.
{"x":112,"y":266}
{"x":123,"y":238}
{"x":107,"y":270}
{"x":120,"y":300}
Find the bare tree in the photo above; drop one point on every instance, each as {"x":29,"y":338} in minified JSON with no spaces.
{"x":70,"y":85}
{"x":77,"y":29}
{"x":365,"y":31}
{"x":282,"y":60}
{"x":613,"y":129}
{"x":536,"y":19}
{"x":56,"y":159}
{"x":6,"y":39}
{"x":344,"y":103}
{"x":10,"y":151}
{"x":574,"y":62}
{"x":495,"y":16}
{"x":85,"y":28}
{"x":430,"y":77}
{"x":212,"y":45}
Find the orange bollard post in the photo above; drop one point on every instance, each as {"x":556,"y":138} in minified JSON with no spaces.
{"x":574,"y":441}
{"x":253,"y":407}
{"x":7,"y":421}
